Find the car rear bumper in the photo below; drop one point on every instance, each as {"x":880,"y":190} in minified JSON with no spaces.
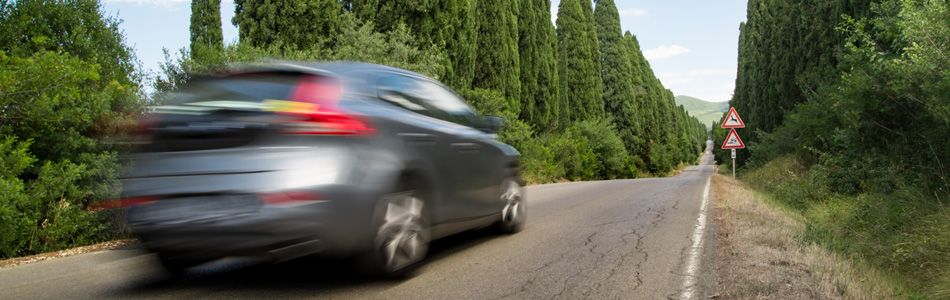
{"x":276,"y":240}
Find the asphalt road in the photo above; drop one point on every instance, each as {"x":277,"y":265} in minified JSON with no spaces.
{"x":620,"y":239}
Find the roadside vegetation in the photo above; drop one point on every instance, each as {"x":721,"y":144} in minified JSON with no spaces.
{"x":582,"y":103}
{"x":762,"y":254}
{"x":855,"y":146}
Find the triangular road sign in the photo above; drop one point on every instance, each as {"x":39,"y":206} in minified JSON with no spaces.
{"x":732,"y":120}
{"x":733,"y":141}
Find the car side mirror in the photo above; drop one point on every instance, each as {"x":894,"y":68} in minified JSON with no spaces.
{"x":491,"y":124}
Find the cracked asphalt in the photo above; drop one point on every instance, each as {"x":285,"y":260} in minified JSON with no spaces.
{"x":620,"y":239}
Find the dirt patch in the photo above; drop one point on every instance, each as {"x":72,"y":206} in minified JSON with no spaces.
{"x":759,"y":257}
{"x":64,"y":253}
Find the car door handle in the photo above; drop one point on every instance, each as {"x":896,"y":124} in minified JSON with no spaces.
{"x":466,"y":148}
{"x":419,"y":139}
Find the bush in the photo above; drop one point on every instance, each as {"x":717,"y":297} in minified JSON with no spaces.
{"x":611,"y":158}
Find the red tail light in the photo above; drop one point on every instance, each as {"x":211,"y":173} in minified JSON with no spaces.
{"x":291,"y":197}
{"x":320,"y":114}
{"x":126,"y":202}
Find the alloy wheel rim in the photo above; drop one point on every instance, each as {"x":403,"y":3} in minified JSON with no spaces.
{"x":403,"y":230}
{"x":512,"y":211}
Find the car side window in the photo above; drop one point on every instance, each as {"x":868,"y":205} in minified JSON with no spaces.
{"x":446,"y":104}
{"x":403,"y":92}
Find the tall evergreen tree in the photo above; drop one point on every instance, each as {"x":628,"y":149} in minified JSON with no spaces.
{"x":617,"y":72}
{"x":206,"y":38}
{"x":595,"y":56}
{"x":577,"y":72}
{"x":539,"y":85}
{"x":497,"y":54}
{"x":297,"y":24}
{"x":645,"y":94}
{"x":447,"y":23}
{"x":786,"y":47}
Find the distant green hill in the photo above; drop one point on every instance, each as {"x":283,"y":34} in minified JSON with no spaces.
{"x":707,"y":112}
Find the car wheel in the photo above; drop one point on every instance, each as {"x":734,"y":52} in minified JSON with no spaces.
{"x":402,"y":233}
{"x":514,"y":212}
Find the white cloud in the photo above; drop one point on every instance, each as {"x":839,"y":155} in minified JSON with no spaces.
{"x":636,"y":12}
{"x":554,"y":15}
{"x":664,"y":52}
{"x":163,"y":3}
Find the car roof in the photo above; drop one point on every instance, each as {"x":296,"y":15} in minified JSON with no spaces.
{"x":331,"y":68}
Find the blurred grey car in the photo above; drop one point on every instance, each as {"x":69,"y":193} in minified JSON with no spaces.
{"x":330,"y":159}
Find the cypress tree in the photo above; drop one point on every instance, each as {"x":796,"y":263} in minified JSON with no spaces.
{"x":786,"y":47}
{"x":645,"y":93}
{"x":595,"y":57}
{"x":616,"y":72}
{"x":300,"y":24}
{"x":536,"y":44}
{"x":577,"y":73}
{"x":206,"y":38}
{"x":447,"y":23}
{"x":460,"y":34}
{"x":497,"y":54}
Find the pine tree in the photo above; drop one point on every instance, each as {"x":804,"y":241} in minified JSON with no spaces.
{"x":497,"y":54}
{"x":300,"y":24}
{"x":577,"y":73}
{"x":206,"y":38}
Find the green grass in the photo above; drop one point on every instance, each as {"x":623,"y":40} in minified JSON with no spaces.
{"x":905,"y":232}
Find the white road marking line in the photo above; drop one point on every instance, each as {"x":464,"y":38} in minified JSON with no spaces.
{"x":696,"y":250}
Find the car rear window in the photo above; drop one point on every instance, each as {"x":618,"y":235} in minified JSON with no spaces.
{"x":243,"y":91}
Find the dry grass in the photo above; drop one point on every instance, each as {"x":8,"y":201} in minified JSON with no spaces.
{"x":761,"y":259}
{"x":13,"y":262}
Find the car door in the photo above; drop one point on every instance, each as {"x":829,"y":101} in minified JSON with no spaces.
{"x":479,"y":164}
{"x":427,"y":142}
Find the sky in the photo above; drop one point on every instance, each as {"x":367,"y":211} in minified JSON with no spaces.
{"x":691,"y":44}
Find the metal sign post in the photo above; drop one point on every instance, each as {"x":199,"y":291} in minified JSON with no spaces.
{"x":733,"y":163}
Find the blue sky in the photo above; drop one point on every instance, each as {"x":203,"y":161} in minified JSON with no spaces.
{"x":691,"y":44}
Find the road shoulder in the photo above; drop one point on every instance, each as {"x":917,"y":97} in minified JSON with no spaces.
{"x":759,"y":256}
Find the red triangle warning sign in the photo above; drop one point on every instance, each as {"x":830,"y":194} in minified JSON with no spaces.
{"x":732,"y":120}
{"x":733,"y":141}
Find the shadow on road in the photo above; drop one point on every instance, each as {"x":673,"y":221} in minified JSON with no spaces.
{"x":312,"y":276}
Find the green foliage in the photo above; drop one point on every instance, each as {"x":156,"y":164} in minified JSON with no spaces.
{"x":47,"y":120}
{"x":611,"y":158}
{"x":537,"y":46}
{"x":787,"y":49}
{"x":902,"y":231}
{"x":865,"y":157}
{"x":617,"y":72}
{"x":357,"y":42}
{"x":444,"y":23}
{"x":581,"y":95}
{"x":497,"y":54}
{"x":67,"y":84}
{"x":597,"y":106}
{"x":76,"y":27}
{"x":294,"y":24}
{"x":206,"y":38}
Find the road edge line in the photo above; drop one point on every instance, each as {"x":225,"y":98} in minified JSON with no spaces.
{"x":695,"y":251}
